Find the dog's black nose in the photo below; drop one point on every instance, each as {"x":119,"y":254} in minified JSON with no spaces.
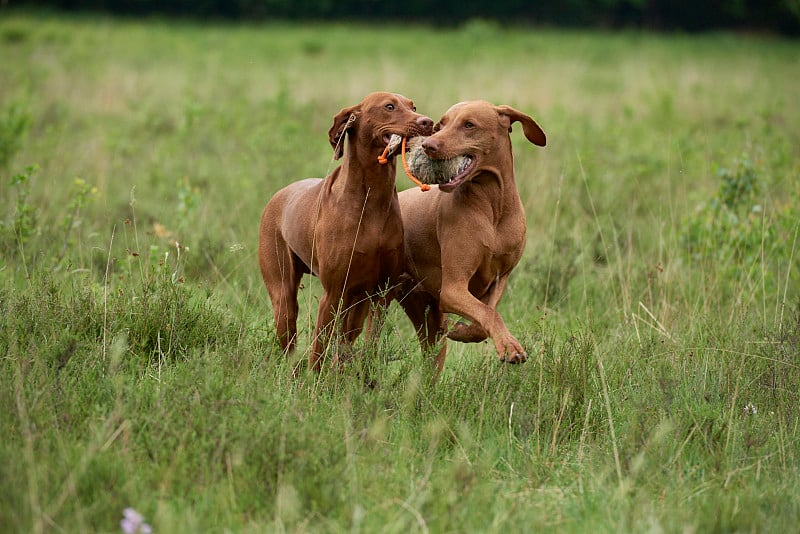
{"x":430,"y":146}
{"x":426,"y":124}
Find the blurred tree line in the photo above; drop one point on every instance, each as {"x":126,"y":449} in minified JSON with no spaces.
{"x":689,"y":15}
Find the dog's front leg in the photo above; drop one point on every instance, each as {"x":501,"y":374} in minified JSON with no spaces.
{"x":473,"y":332}
{"x":457,"y":299}
{"x":325,"y":327}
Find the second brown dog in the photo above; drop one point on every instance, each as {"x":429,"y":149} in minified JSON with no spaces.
{"x":345,"y":228}
{"x":463,"y":238}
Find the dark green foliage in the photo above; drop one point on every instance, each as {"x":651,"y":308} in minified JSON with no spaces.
{"x":14,"y":124}
{"x":735,"y":227}
{"x":21,"y":222}
{"x":780,"y":15}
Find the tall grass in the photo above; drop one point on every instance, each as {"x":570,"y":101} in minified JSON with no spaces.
{"x":657,"y":296}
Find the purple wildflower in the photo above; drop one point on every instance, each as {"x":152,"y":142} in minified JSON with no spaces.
{"x":133,"y":523}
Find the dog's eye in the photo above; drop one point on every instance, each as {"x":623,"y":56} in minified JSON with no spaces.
{"x":414,"y":108}
{"x":469,"y":125}
{"x":389,"y":107}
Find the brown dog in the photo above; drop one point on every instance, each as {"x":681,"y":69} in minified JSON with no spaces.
{"x":463,"y":238}
{"x":345,"y":228}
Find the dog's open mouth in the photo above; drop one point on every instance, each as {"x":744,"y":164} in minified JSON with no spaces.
{"x":447,"y":172}
{"x":392,"y":142}
{"x":463,"y":164}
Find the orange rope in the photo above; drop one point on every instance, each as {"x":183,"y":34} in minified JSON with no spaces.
{"x":423,"y":187}
{"x":383,"y":160}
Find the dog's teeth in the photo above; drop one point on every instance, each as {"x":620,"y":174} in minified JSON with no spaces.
{"x":465,"y":161}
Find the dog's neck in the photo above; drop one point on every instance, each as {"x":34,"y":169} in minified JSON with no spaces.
{"x":493,"y":186}
{"x":363,"y":175}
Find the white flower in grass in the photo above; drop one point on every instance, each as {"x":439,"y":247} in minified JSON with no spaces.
{"x":133,"y":523}
{"x":750,"y":409}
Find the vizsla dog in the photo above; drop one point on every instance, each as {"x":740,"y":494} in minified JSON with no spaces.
{"x":346,"y":228}
{"x":463,"y":238}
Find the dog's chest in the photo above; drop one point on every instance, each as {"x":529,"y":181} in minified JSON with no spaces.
{"x":378,"y":236}
{"x":508,"y":241}
{"x":499,"y":260}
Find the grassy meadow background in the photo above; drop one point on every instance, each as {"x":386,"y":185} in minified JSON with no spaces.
{"x":658,"y":295}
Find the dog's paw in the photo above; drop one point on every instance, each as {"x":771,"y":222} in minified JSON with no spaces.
{"x":514,"y":357}
{"x":467,"y":333}
{"x":509,"y":350}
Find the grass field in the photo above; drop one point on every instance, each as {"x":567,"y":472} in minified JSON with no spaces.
{"x":658,"y":296}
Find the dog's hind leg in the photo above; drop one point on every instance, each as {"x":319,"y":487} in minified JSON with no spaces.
{"x":467,"y":333}
{"x":285,"y":309}
{"x":281,"y":271}
{"x":429,"y":323}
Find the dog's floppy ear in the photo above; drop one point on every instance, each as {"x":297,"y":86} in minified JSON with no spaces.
{"x":341,"y":123}
{"x":532,"y":130}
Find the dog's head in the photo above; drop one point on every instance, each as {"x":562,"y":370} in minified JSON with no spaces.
{"x":375,"y":119}
{"x":474,"y":135}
